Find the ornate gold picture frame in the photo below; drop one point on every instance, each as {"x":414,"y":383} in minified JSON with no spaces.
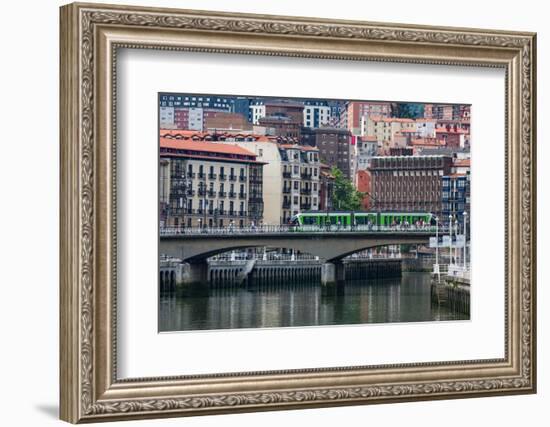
{"x":91,"y":34}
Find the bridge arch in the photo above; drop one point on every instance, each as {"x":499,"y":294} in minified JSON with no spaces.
{"x":329,"y":247}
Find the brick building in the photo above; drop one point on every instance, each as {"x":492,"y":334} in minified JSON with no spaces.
{"x":408,"y":183}
{"x":220,"y":120}
{"x":363,"y":184}
{"x":334,"y":146}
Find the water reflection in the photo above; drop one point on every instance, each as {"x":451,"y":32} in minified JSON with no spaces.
{"x":405,"y":299}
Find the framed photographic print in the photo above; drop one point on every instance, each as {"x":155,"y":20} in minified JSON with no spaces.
{"x":268,"y":212}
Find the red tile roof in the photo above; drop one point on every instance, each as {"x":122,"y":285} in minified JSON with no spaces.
{"x":206,"y":147}
{"x":186,"y":135}
{"x":299,"y":147}
{"x":444,"y":130}
{"x":428,"y":142}
{"x":462,"y":162}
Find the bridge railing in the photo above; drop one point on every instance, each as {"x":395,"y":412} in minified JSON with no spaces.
{"x":274,"y":229}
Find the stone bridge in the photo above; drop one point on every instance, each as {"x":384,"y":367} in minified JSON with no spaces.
{"x":330,"y":247}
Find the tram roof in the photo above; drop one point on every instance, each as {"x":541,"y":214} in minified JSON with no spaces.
{"x":364,"y":212}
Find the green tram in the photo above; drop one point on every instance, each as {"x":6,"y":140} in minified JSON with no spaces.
{"x":348,"y":218}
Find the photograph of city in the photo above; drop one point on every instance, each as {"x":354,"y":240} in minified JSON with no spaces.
{"x":292,"y":212}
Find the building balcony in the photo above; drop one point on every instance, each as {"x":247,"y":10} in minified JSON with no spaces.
{"x":200,"y":211}
{"x":242,"y":213}
{"x":232,"y":194}
{"x":242,"y":195}
{"x":211,"y":193}
{"x":223,"y":177}
{"x":191,"y":174}
{"x":212,"y":176}
{"x":305,"y":206}
{"x":222,"y":194}
{"x":232,"y":177}
{"x":201,"y":175}
{"x":210,"y":211}
{"x":190,"y":211}
{"x":306,"y":176}
{"x":286,"y":174}
{"x":190,"y":192}
{"x":242,"y":178}
{"x":286,"y":204}
{"x":286,"y":190}
{"x":231,"y":213}
{"x":305,"y":191}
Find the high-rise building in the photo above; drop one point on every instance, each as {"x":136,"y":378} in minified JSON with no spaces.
{"x":334,"y":146}
{"x":177,"y":100}
{"x":317,"y":113}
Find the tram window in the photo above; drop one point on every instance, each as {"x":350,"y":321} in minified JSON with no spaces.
{"x":308,"y":220}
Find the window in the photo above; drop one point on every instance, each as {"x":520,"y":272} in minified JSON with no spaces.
{"x":296,"y":185}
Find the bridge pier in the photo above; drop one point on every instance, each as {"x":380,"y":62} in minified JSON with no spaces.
{"x":195,"y":273}
{"x":332,"y":273}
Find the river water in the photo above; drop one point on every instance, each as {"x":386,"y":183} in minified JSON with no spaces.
{"x":405,"y":299}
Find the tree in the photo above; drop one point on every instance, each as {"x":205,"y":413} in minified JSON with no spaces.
{"x":345,"y":196}
{"x":404,"y":110}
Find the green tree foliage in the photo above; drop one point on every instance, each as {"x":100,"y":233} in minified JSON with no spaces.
{"x":345,"y":197}
{"x":407,"y":110}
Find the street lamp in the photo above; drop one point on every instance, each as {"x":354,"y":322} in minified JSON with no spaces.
{"x":450,"y":240}
{"x":436,"y":266}
{"x":465,"y":239}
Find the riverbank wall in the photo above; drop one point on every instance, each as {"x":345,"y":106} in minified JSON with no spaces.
{"x":451,"y":292}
